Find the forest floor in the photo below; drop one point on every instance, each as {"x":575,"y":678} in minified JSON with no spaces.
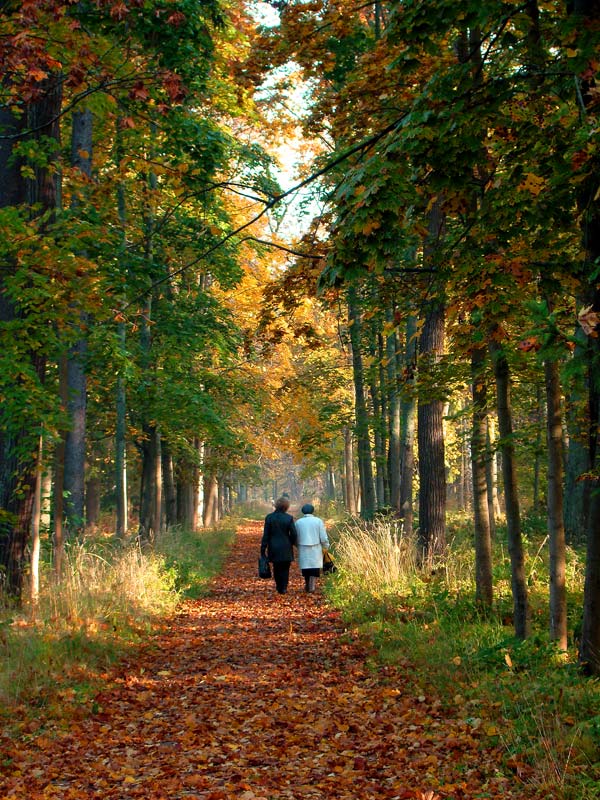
{"x":249,"y":694}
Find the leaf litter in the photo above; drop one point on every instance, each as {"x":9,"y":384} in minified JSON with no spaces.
{"x":250,"y":695}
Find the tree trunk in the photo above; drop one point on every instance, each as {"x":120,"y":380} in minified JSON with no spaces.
{"x":484,"y":587}
{"x":150,"y":493}
{"x":408,"y":414}
{"x":491,"y":475}
{"x":92,"y":502}
{"x":589,"y":208}
{"x":379,"y":441}
{"x":537,"y":457}
{"x":509,"y":470}
{"x":170,"y":490}
{"x":431,"y":538}
{"x":18,"y":441}
{"x":34,"y":584}
{"x":556,"y":528}
{"x":350,"y":487}
{"x":365,"y":468}
{"x":211,"y":499}
{"x":394,"y":448}
{"x":122,"y":522}
{"x":75,"y":442}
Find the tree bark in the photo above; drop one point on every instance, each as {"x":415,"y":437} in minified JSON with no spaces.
{"x":170,"y":490}
{"x":210,"y":516}
{"x":367,"y":486}
{"x":93,"y":486}
{"x":349,"y":480}
{"x":484,"y":589}
{"x":75,"y":441}
{"x":408,"y":414}
{"x":431,"y":539}
{"x":394,"y":446}
{"x":556,"y":528}
{"x":513,"y":517}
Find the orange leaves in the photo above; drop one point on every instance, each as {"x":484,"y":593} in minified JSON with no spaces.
{"x":532,"y":184}
{"x":246,"y":695}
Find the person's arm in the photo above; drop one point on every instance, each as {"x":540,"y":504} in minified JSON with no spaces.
{"x":323,"y":535}
{"x":264,"y":542}
{"x":293,"y":533}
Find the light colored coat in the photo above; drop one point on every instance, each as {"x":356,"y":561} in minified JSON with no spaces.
{"x":312,"y":538}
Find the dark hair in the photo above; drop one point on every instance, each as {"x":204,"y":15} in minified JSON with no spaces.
{"x":308,"y":508}
{"x":282,"y":504}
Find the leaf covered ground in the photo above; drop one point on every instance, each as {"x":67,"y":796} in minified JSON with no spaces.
{"x":248,"y":694}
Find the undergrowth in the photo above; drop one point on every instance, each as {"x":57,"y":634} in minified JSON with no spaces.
{"x":525,"y":696}
{"x":52,"y":657}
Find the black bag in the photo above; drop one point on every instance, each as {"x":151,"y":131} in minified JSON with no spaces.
{"x":328,"y":564}
{"x":264,"y":568}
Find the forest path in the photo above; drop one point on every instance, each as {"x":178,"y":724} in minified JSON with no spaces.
{"x":248,"y":694}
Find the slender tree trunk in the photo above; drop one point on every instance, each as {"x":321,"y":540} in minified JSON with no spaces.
{"x":484,"y":589}
{"x":18,"y":441}
{"x":431,"y":538}
{"x":349,"y":472}
{"x":122,"y":521}
{"x":513,"y":516}
{"x":58,"y":494}
{"x":394,"y":448}
{"x":150,"y":493}
{"x":408,"y":413}
{"x":92,"y":502}
{"x":169,"y":485}
{"x":34,"y":585}
{"x":367,"y":486}
{"x":556,"y":528}
{"x":491,"y":475}
{"x":589,"y":207}
{"x":211,"y":498}
{"x":385,"y":420}
{"x":379,"y":441}
{"x":75,"y":442}
{"x":537,"y":462}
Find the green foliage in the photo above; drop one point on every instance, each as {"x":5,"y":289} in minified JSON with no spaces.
{"x":195,"y":558}
{"x":525,"y":694}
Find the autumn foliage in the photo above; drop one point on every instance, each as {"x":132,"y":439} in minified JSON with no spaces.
{"x":246,"y":694}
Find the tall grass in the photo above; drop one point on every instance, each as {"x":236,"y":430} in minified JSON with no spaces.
{"x":547,"y":711}
{"x":108,"y":597}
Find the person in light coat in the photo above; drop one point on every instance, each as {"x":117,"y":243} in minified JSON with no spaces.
{"x":311,"y":539}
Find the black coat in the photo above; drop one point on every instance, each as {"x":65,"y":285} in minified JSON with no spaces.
{"x":278,"y":537}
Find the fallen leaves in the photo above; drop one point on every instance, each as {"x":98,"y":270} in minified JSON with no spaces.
{"x":245,"y":695}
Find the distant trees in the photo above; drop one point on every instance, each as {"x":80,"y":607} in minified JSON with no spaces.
{"x":125,"y":148}
{"x":485,"y":115}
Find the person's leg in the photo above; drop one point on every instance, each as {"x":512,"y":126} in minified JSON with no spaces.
{"x":281,"y":573}
{"x":306,"y":576}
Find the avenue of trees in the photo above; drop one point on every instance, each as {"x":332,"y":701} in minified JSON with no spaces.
{"x":432,"y":339}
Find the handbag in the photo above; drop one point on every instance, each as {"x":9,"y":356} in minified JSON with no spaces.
{"x":328,"y":563}
{"x":264,"y":568}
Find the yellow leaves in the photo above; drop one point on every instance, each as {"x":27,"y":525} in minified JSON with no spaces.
{"x":533,"y":184}
{"x":368,"y":227}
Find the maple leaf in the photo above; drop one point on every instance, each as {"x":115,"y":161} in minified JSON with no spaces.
{"x":139,"y":91}
{"x":119,"y":11}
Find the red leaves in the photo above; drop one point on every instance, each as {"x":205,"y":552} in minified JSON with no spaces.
{"x":249,"y":695}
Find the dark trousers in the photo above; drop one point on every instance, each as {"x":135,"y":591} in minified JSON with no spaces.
{"x":281,"y":573}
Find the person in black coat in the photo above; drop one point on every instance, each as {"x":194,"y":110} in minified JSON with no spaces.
{"x":279,"y":537}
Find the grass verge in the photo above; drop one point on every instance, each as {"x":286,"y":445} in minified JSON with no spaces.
{"x":53,"y":658}
{"x":525,"y":696}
